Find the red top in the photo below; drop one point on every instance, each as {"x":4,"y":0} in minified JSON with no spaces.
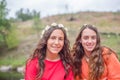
{"x":112,"y":67}
{"x":54,"y":70}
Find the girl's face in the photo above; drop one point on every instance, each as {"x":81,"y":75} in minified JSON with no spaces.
{"x":55,"y":42}
{"x":88,"y":40}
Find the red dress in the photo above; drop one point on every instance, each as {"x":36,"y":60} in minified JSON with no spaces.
{"x":53,"y":70}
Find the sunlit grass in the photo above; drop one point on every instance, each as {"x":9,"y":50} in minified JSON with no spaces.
{"x":111,"y":41}
{"x":13,"y":61}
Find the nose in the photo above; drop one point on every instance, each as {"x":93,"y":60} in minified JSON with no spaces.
{"x":56,"y":41}
{"x":90,"y":40}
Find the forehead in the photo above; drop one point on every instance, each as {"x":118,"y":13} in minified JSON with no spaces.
{"x":57,"y":32}
{"x":88,"y":31}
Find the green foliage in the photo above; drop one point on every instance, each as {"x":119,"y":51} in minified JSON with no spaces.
{"x":1,"y":39}
{"x":14,"y":61}
{"x":12,"y":38}
{"x":37,"y":25}
{"x":11,"y":76}
{"x":3,"y":9}
{"x":26,"y":14}
{"x":8,"y":36}
{"x":4,"y":23}
{"x":13,"y":58}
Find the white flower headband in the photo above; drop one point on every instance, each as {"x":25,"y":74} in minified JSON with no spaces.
{"x":88,"y":24}
{"x":53,"y":24}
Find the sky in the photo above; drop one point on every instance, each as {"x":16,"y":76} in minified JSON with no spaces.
{"x":53,"y":7}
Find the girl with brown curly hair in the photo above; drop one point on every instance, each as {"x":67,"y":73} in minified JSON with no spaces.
{"x":51,"y":59}
{"x":91,"y":60}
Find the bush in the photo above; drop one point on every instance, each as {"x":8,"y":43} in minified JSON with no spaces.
{"x":12,"y":39}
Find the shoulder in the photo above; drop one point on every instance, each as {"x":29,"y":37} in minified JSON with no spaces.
{"x":33,"y":61}
{"x":108,"y":54}
{"x":107,"y":51}
{"x":31,"y":69}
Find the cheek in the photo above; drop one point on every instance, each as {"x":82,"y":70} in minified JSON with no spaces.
{"x":83,"y":41}
{"x":48,"y":42}
{"x":62,"y":44}
{"x":95,"y":42}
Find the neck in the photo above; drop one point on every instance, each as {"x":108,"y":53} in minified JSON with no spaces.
{"x":52,"y":57}
{"x":87,"y":56}
{"x":87,"y":53}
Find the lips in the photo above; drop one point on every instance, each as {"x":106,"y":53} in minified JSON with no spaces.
{"x":89,"y":46}
{"x":56,"y":49}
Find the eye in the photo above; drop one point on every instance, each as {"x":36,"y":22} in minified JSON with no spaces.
{"x":52,"y":37}
{"x":85,"y":37}
{"x":61,"y":38}
{"x":93,"y":37}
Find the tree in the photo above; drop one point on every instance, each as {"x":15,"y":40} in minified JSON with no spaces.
{"x":7,"y":37}
{"x":37,"y":23}
{"x":25,"y":14}
{"x":4,"y":23}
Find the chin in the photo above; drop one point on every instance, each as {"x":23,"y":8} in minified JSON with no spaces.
{"x":55,"y":52}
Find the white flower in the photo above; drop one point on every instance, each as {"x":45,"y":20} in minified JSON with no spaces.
{"x":46,"y":28}
{"x":66,"y":29}
{"x":60,"y":25}
{"x":54,"y":24}
{"x":43,"y":31}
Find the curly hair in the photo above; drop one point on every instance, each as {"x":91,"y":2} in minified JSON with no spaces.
{"x":96,"y":65}
{"x":40,"y":51}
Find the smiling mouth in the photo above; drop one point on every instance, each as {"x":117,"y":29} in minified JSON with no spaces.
{"x":55,"y":48}
{"x":89,"y":46}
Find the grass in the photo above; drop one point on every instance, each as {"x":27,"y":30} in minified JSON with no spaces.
{"x":14,"y":61}
{"x":111,"y":41}
{"x":10,"y":76}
